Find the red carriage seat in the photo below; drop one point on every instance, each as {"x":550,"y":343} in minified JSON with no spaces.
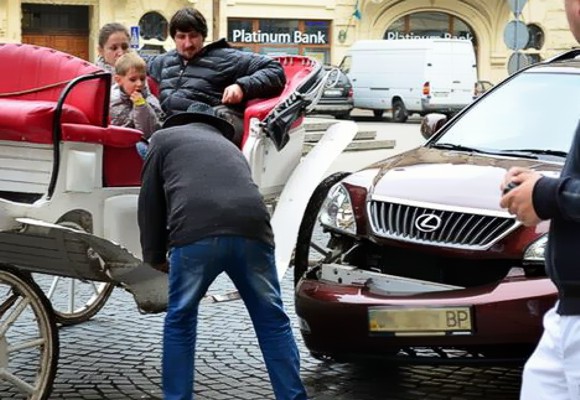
{"x":47,"y":96}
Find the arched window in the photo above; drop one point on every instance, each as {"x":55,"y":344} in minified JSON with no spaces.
{"x":153,"y":26}
{"x":430,"y":24}
{"x":537,"y":37}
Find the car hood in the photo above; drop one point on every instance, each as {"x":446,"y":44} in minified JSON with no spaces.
{"x":444,"y":177}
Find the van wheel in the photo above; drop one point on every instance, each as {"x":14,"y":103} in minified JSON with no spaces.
{"x":400,"y":113}
{"x":378,"y":114}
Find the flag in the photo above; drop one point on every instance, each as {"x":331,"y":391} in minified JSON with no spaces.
{"x":357,"y":14}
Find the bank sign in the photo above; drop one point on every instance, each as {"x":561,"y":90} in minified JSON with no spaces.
{"x":296,"y":37}
{"x":445,"y":35}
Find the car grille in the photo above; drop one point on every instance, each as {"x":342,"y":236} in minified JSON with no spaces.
{"x":432,"y":226}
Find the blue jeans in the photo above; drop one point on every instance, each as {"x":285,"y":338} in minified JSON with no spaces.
{"x":251,"y":267}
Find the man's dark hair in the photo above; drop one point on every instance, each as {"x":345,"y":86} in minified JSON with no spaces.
{"x":108,"y":29}
{"x":186,"y":20}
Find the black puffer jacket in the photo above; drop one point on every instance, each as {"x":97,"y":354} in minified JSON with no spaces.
{"x":205,"y":77}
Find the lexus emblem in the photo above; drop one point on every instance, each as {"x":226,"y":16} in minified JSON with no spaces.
{"x":428,"y":222}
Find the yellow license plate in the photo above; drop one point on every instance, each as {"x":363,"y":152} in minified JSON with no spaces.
{"x":436,"y":320}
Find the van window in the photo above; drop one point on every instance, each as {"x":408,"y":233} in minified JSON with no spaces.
{"x":522,"y":114}
{"x":345,"y":64}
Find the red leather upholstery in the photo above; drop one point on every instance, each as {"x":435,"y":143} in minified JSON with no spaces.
{"x":24,"y":67}
{"x":121,"y":162}
{"x":32,"y":121}
{"x":29,"y":116}
{"x":153,"y":86}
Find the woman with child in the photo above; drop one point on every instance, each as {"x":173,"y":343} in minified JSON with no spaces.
{"x":132,"y":103}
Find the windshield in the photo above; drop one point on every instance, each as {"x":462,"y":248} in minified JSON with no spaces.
{"x":533,"y":111}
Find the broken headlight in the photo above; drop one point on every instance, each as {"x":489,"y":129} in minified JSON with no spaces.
{"x":337,"y":211}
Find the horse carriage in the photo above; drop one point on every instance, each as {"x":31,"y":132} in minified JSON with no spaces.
{"x":69,"y":184}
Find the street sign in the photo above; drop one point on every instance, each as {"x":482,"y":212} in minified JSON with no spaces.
{"x":516,"y":35}
{"x":518,"y":61}
{"x":135,"y":35}
{"x":517,"y":6}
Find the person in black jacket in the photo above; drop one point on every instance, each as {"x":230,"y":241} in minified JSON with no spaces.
{"x":212,"y":218}
{"x":553,"y":370}
{"x":216,"y":74}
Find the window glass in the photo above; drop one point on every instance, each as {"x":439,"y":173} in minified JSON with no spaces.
{"x":513,"y":116}
{"x":237,"y":28}
{"x":153,"y":26}
{"x":319,"y":28}
{"x":55,"y":19}
{"x":279,"y":25}
{"x":428,"y":24}
{"x":461,"y":29}
{"x":537,"y":38}
{"x":279,"y":51}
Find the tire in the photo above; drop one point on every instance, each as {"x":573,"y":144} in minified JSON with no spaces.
{"x":400,"y":113}
{"x":88,"y":297}
{"x":378,"y":114}
{"x":17,"y":290}
{"x":343,"y":116}
{"x":303,"y":243}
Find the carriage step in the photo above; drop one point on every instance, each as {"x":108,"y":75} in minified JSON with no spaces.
{"x":359,"y":145}
{"x":361,"y":135}
{"x":312,"y":125}
{"x":221,"y":298}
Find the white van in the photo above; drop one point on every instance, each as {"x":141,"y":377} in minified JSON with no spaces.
{"x":411,"y":75}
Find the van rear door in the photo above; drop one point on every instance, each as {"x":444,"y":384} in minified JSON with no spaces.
{"x":452,"y":74}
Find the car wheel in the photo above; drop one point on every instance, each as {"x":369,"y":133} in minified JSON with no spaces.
{"x":343,"y":116}
{"x":400,"y":113}
{"x":378,"y":114}
{"x":309,"y":251}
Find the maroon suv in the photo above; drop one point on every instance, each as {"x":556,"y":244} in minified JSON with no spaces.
{"x":414,"y":254}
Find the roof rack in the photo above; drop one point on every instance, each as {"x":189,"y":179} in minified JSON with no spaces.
{"x":567,"y":55}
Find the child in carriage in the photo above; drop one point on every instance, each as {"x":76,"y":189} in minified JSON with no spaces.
{"x":132,"y":104}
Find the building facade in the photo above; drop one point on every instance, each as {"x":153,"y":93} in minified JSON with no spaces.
{"x":323,"y":29}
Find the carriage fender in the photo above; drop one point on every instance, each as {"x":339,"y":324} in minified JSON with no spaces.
{"x":300,"y":186}
{"x":120,"y":222}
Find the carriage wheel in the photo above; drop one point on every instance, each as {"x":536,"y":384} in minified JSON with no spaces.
{"x":313,"y":245}
{"x":29,"y":344}
{"x":74,"y":300}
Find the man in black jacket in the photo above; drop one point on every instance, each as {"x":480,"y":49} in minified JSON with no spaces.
{"x":553,"y":370}
{"x":216,"y":74}
{"x":211,"y":217}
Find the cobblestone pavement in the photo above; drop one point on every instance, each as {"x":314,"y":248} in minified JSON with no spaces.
{"x":117,"y":356}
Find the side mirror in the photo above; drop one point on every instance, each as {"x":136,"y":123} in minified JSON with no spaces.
{"x":431,"y":123}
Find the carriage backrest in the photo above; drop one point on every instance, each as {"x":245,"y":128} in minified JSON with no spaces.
{"x":38,"y":73}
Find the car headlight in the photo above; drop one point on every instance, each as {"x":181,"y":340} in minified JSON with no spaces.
{"x":534,"y":254}
{"x":337,"y":210}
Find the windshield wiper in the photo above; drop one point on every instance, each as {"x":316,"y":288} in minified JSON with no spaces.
{"x":451,"y":146}
{"x":540,"y":152}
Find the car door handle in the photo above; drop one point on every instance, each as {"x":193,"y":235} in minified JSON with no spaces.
{"x":456,"y":81}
